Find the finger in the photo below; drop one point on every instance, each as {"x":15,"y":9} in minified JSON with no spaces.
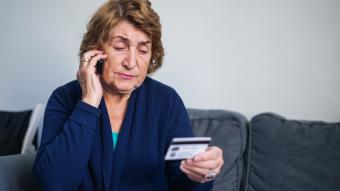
{"x":87,"y":70}
{"x":192,"y":175}
{"x":196,"y":170}
{"x":95,"y":59}
{"x":215,"y":165}
{"x":197,"y":179}
{"x":208,"y":164}
{"x":86,"y":57}
{"x":89,"y":54}
{"x":201,"y":180}
{"x":204,"y":171}
{"x":210,"y":154}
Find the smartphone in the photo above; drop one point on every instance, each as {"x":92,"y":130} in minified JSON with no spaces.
{"x":99,"y":66}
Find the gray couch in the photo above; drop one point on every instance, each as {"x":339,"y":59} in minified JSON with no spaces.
{"x":267,"y":153}
{"x":16,"y":173}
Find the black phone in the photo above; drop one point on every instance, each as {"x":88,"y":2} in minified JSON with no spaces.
{"x":99,"y":66}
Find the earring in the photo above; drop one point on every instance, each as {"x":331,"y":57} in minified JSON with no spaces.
{"x":153,"y":62}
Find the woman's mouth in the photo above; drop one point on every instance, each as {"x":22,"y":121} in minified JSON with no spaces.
{"x":125,"y":76}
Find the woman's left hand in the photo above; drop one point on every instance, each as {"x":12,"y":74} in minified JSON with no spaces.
{"x":204,"y":166}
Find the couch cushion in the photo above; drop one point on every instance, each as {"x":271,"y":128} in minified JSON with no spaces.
{"x":16,"y":173}
{"x":294,"y":155}
{"x":13,"y":127}
{"x":228,"y":131}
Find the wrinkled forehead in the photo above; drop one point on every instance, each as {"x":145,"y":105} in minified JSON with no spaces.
{"x":125,"y":31}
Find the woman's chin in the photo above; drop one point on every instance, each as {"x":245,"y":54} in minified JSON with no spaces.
{"x":119,"y":88}
{"x":125,"y":90}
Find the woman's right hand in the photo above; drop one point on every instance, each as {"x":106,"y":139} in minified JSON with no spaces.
{"x":88,"y":79}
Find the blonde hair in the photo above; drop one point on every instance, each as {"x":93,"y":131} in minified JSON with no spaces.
{"x":137,"y":12}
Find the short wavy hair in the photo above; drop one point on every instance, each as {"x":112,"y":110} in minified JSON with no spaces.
{"x":137,"y":12}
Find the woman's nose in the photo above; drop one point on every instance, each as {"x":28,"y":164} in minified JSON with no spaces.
{"x":131,"y":59}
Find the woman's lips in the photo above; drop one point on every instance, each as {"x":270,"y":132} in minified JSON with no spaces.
{"x":125,"y":76}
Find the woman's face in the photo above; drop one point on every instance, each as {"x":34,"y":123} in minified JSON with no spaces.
{"x":128,"y":53}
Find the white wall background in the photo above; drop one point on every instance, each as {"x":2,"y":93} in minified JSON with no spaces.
{"x":248,"y":56}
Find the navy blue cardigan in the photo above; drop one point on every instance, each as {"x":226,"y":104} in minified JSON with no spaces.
{"x":76,"y":151}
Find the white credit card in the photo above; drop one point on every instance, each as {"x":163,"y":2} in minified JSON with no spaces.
{"x":186,"y":147}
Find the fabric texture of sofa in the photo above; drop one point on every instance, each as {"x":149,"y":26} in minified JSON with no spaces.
{"x":267,"y":153}
{"x":16,"y":173}
{"x":293,"y":155}
{"x":228,"y":131}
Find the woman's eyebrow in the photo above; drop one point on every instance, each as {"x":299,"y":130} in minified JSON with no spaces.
{"x":127,"y":40}
{"x":144,"y":42}
{"x":120,"y":38}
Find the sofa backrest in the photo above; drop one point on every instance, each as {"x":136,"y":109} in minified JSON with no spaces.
{"x":280,"y":154}
{"x":228,"y":131}
{"x":289,"y":155}
{"x":13,"y":126}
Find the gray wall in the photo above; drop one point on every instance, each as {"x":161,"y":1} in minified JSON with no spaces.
{"x":248,"y":56}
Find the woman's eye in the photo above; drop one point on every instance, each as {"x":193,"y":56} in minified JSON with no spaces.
{"x":144,"y":52}
{"x":119,"y":48}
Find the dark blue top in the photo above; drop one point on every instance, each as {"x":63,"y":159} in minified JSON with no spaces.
{"x":76,"y":146}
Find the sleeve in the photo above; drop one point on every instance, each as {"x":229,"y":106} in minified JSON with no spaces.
{"x":180,"y":126}
{"x":66,"y":143}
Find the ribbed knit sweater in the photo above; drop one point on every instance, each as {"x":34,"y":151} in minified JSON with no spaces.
{"x":76,"y":151}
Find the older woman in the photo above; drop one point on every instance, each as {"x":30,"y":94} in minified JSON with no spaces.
{"x":110,"y":130}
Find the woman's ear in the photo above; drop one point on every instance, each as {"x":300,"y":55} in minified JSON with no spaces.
{"x":152,"y":66}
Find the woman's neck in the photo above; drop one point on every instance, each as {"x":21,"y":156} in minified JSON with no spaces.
{"x":116,"y":105}
{"x":115,"y":99}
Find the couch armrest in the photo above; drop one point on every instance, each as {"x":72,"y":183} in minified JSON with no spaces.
{"x":228,"y":130}
{"x":16,"y":173}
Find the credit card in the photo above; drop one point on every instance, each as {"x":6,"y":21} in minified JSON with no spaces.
{"x":186,"y":147}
